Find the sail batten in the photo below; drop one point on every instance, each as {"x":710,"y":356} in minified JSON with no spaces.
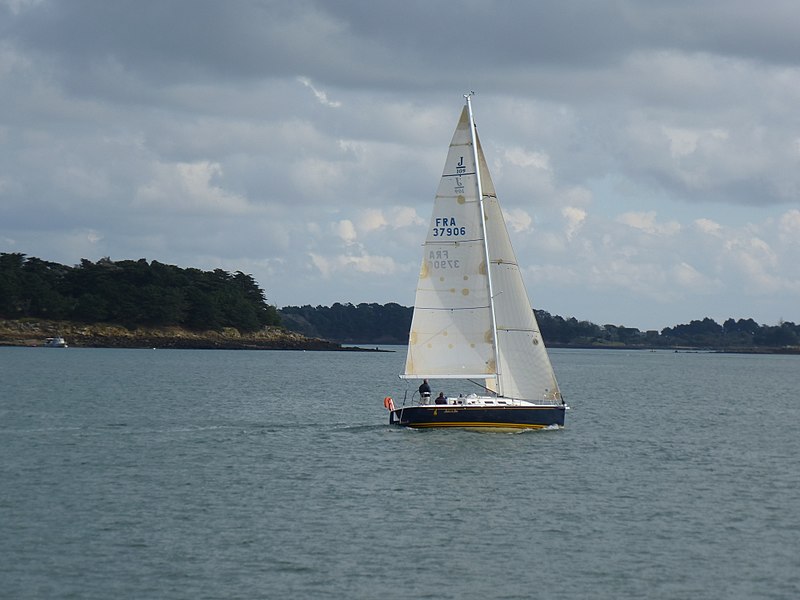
{"x":450,"y":309}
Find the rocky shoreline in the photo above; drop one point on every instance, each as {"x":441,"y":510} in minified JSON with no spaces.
{"x":34,"y":332}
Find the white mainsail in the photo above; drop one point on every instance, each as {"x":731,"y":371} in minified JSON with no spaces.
{"x":453,"y":331}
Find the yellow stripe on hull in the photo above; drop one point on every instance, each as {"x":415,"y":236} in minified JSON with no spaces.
{"x":472,"y":424}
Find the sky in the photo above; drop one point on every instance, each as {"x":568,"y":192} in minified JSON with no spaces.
{"x":646,"y":153}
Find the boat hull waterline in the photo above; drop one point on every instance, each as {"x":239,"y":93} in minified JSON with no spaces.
{"x":479,"y":417}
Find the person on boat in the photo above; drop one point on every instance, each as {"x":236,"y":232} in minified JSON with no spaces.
{"x":440,"y":399}
{"x":425,"y":391}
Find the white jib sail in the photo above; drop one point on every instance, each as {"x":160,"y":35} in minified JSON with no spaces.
{"x":524,"y":371}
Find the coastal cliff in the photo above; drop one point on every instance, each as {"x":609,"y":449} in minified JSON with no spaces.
{"x":33,"y":332}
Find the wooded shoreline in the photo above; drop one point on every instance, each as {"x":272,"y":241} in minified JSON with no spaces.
{"x":145,"y":304}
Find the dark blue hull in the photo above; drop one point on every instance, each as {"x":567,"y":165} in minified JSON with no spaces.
{"x":488,"y":417}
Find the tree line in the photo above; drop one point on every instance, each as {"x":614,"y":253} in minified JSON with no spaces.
{"x":131,"y":293}
{"x":702,"y":333}
{"x":139,"y":292}
{"x":390,"y":323}
{"x":351,"y":324}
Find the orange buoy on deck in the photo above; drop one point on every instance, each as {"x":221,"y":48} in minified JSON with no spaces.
{"x":388,"y":403}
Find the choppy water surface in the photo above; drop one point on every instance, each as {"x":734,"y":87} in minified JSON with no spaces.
{"x":222,"y":474}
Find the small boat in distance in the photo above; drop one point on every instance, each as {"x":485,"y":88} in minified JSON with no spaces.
{"x":472,"y":317}
{"x":55,"y":342}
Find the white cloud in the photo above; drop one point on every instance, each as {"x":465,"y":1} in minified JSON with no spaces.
{"x":520,"y":157}
{"x":684,"y":142}
{"x":646,"y":221}
{"x":372,"y":219}
{"x":346,"y":231}
{"x":708,"y":226}
{"x":517,"y":219}
{"x":319,"y":94}
{"x":405,"y":216}
{"x":188,"y":188}
{"x":575,"y":218}
{"x":93,"y":236}
{"x":396,"y":217}
{"x":757,"y":261}
{"x":343,"y":263}
{"x":789,"y":226}
{"x":686,"y":276}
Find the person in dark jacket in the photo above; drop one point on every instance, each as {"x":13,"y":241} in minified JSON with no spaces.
{"x":425,"y":391}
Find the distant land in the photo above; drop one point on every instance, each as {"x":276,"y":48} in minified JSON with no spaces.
{"x":138,"y":304}
{"x":150,"y":304}
{"x":34,"y":332}
{"x":390,"y":323}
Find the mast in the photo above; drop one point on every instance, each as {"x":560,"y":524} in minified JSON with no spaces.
{"x":473,"y":136}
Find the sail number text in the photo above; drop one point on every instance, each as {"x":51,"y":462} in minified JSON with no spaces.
{"x":447,"y":227}
{"x":439,"y":259}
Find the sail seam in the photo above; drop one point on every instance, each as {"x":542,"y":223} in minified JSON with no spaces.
{"x":453,"y":242}
{"x":451,"y":309}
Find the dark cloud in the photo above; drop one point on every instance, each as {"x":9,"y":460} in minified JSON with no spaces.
{"x":407,"y":45}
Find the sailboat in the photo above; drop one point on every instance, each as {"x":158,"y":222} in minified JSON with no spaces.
{"x":472,"y":317}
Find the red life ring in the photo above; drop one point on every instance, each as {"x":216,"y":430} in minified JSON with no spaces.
{"x":388,"y":403}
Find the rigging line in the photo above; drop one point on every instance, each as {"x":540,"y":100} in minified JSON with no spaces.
{"x":480,"y":385}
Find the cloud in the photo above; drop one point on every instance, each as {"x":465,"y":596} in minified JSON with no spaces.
{"x":394,"y":218}
{"x":646,"y":221}
{"x":575,"y":218}
{"x":319,"y":94}
{"x":522,"y":158}
{"x":709,"y":227}
{"x":337,"y":264}
{"x":187,"y":188}
{"x":757,"y":261}
{"x":372,"y":219}
{"x":518,"y":220}
{"x":691,"y":280}
{"x":645,"y":154}
{"x":346,"y":231}
{"x":405,"y":216}
{"x":789,"y":227}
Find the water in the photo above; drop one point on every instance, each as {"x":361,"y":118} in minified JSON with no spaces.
{"x":221,"y":474}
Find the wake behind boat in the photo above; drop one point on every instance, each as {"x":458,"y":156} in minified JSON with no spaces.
{"x":471,"y":322}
